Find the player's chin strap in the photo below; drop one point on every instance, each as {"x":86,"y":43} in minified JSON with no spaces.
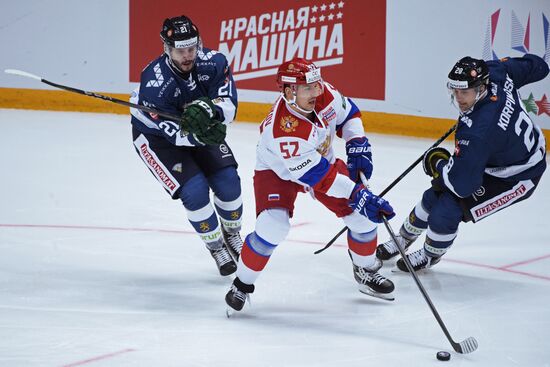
{"x":175,"y":67}
{"x":479,"y":95}
{"x":294,"y":104}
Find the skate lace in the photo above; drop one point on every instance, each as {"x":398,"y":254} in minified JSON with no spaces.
{"x":390,"y":246}
{"x":235,"y":241}
{"x":368,"y":276}
{"x":417,"y":258}
{"x":240,"y":295}
{"x":221,"y":256}
{"x":377,"y":278}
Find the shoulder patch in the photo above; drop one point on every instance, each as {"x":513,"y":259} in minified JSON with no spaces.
{"x":289,"y":123}
{"x":158,"y":79}
{"x":286,"y":124}
{"x":324,"y":100}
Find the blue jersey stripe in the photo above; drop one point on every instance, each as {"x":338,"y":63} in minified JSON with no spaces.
{"x":316,"y":173}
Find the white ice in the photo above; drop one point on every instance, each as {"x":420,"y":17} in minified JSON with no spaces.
{"x":99,"y":267}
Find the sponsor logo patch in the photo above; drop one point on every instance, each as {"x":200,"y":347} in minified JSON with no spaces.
{"x":157,"y":168}
{"x":329,"y":114}
{"x":499,"y":202}
{"x":300,"y":166}
{"x":159,"y":78}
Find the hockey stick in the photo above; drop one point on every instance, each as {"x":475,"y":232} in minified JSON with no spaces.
{"x":385,"y":191}
{"x":466,"y":346}
{"x":95,"y":95}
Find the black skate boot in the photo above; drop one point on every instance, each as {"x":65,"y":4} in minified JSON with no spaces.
{"x":237,"y":295}
{"x":419,"y":260}
{"x":387,"y":250}
{"x":224,"y":261}
{"x":233,"y":242}
{"x":373,"y":283}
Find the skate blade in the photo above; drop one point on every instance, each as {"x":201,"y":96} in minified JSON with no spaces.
{"x":229,"y":312}
{"x":396,"y":270}
{"x":369,"y":292}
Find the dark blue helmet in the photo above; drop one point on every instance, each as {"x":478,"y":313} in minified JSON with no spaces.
{"x":180,"y":32}
{"x":468,"y":73}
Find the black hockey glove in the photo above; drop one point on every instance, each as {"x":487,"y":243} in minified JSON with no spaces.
{"x":215,"y":135}
{"x":198,"y":116}
{"x":434,"y":159}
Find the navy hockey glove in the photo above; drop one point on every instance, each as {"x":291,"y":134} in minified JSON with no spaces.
{"x":434,"y":160}
{"x":359,"y":155}
{"x":369,"y":205}
{"x":198,"y":116}
{"x":215,"y":135}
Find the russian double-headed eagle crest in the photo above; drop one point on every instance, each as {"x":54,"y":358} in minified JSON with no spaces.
{"x":289,"y":124}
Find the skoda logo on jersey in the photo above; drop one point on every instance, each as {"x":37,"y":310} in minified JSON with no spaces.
{"x":224,"y":149}
{"x":480,"y":191}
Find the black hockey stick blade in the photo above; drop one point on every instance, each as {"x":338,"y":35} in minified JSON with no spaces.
{"x":464,"y":347}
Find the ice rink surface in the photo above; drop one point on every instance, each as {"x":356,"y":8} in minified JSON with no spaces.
{"x":99,"y":267}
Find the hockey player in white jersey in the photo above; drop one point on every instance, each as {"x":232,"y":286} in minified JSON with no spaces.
{"x":295,"y":155}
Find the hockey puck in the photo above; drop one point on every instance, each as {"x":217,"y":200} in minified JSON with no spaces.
{"x":443,"y":356}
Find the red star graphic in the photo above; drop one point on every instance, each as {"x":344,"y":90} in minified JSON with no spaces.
{"x":543,"y":105}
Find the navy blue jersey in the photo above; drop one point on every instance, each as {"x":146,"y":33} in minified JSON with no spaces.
{"x":166,"y":90}
{"x":497,"y":137}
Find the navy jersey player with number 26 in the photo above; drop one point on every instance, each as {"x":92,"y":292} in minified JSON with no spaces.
{"x":190,"y":157}
{"x":499,"y":156}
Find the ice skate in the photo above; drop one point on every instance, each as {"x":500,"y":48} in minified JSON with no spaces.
{"x":224,"y":261}
{"x":233,"y":243}
{"x":388,"y":250}
{"x":237,"y":296}
{"x":419,"y":260}
{"x":372,"y":283}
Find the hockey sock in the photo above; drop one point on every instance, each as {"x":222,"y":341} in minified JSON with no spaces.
{"x":415,"y":223}
{"x":254,"y":257}
{"x":230,"y":213}
{"x":362,"y":247}
{"x":206,"y":224}
{"x":437,"y":244}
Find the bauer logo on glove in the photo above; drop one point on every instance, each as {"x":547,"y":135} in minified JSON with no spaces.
{"x":359,"y":155}
{"x":369,"y":205}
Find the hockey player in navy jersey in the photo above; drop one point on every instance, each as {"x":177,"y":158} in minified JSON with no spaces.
{"x":191,"y":157}
{"x":498,"y":160}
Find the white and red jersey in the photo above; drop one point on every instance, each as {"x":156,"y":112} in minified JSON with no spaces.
{"x":300,"y":150}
